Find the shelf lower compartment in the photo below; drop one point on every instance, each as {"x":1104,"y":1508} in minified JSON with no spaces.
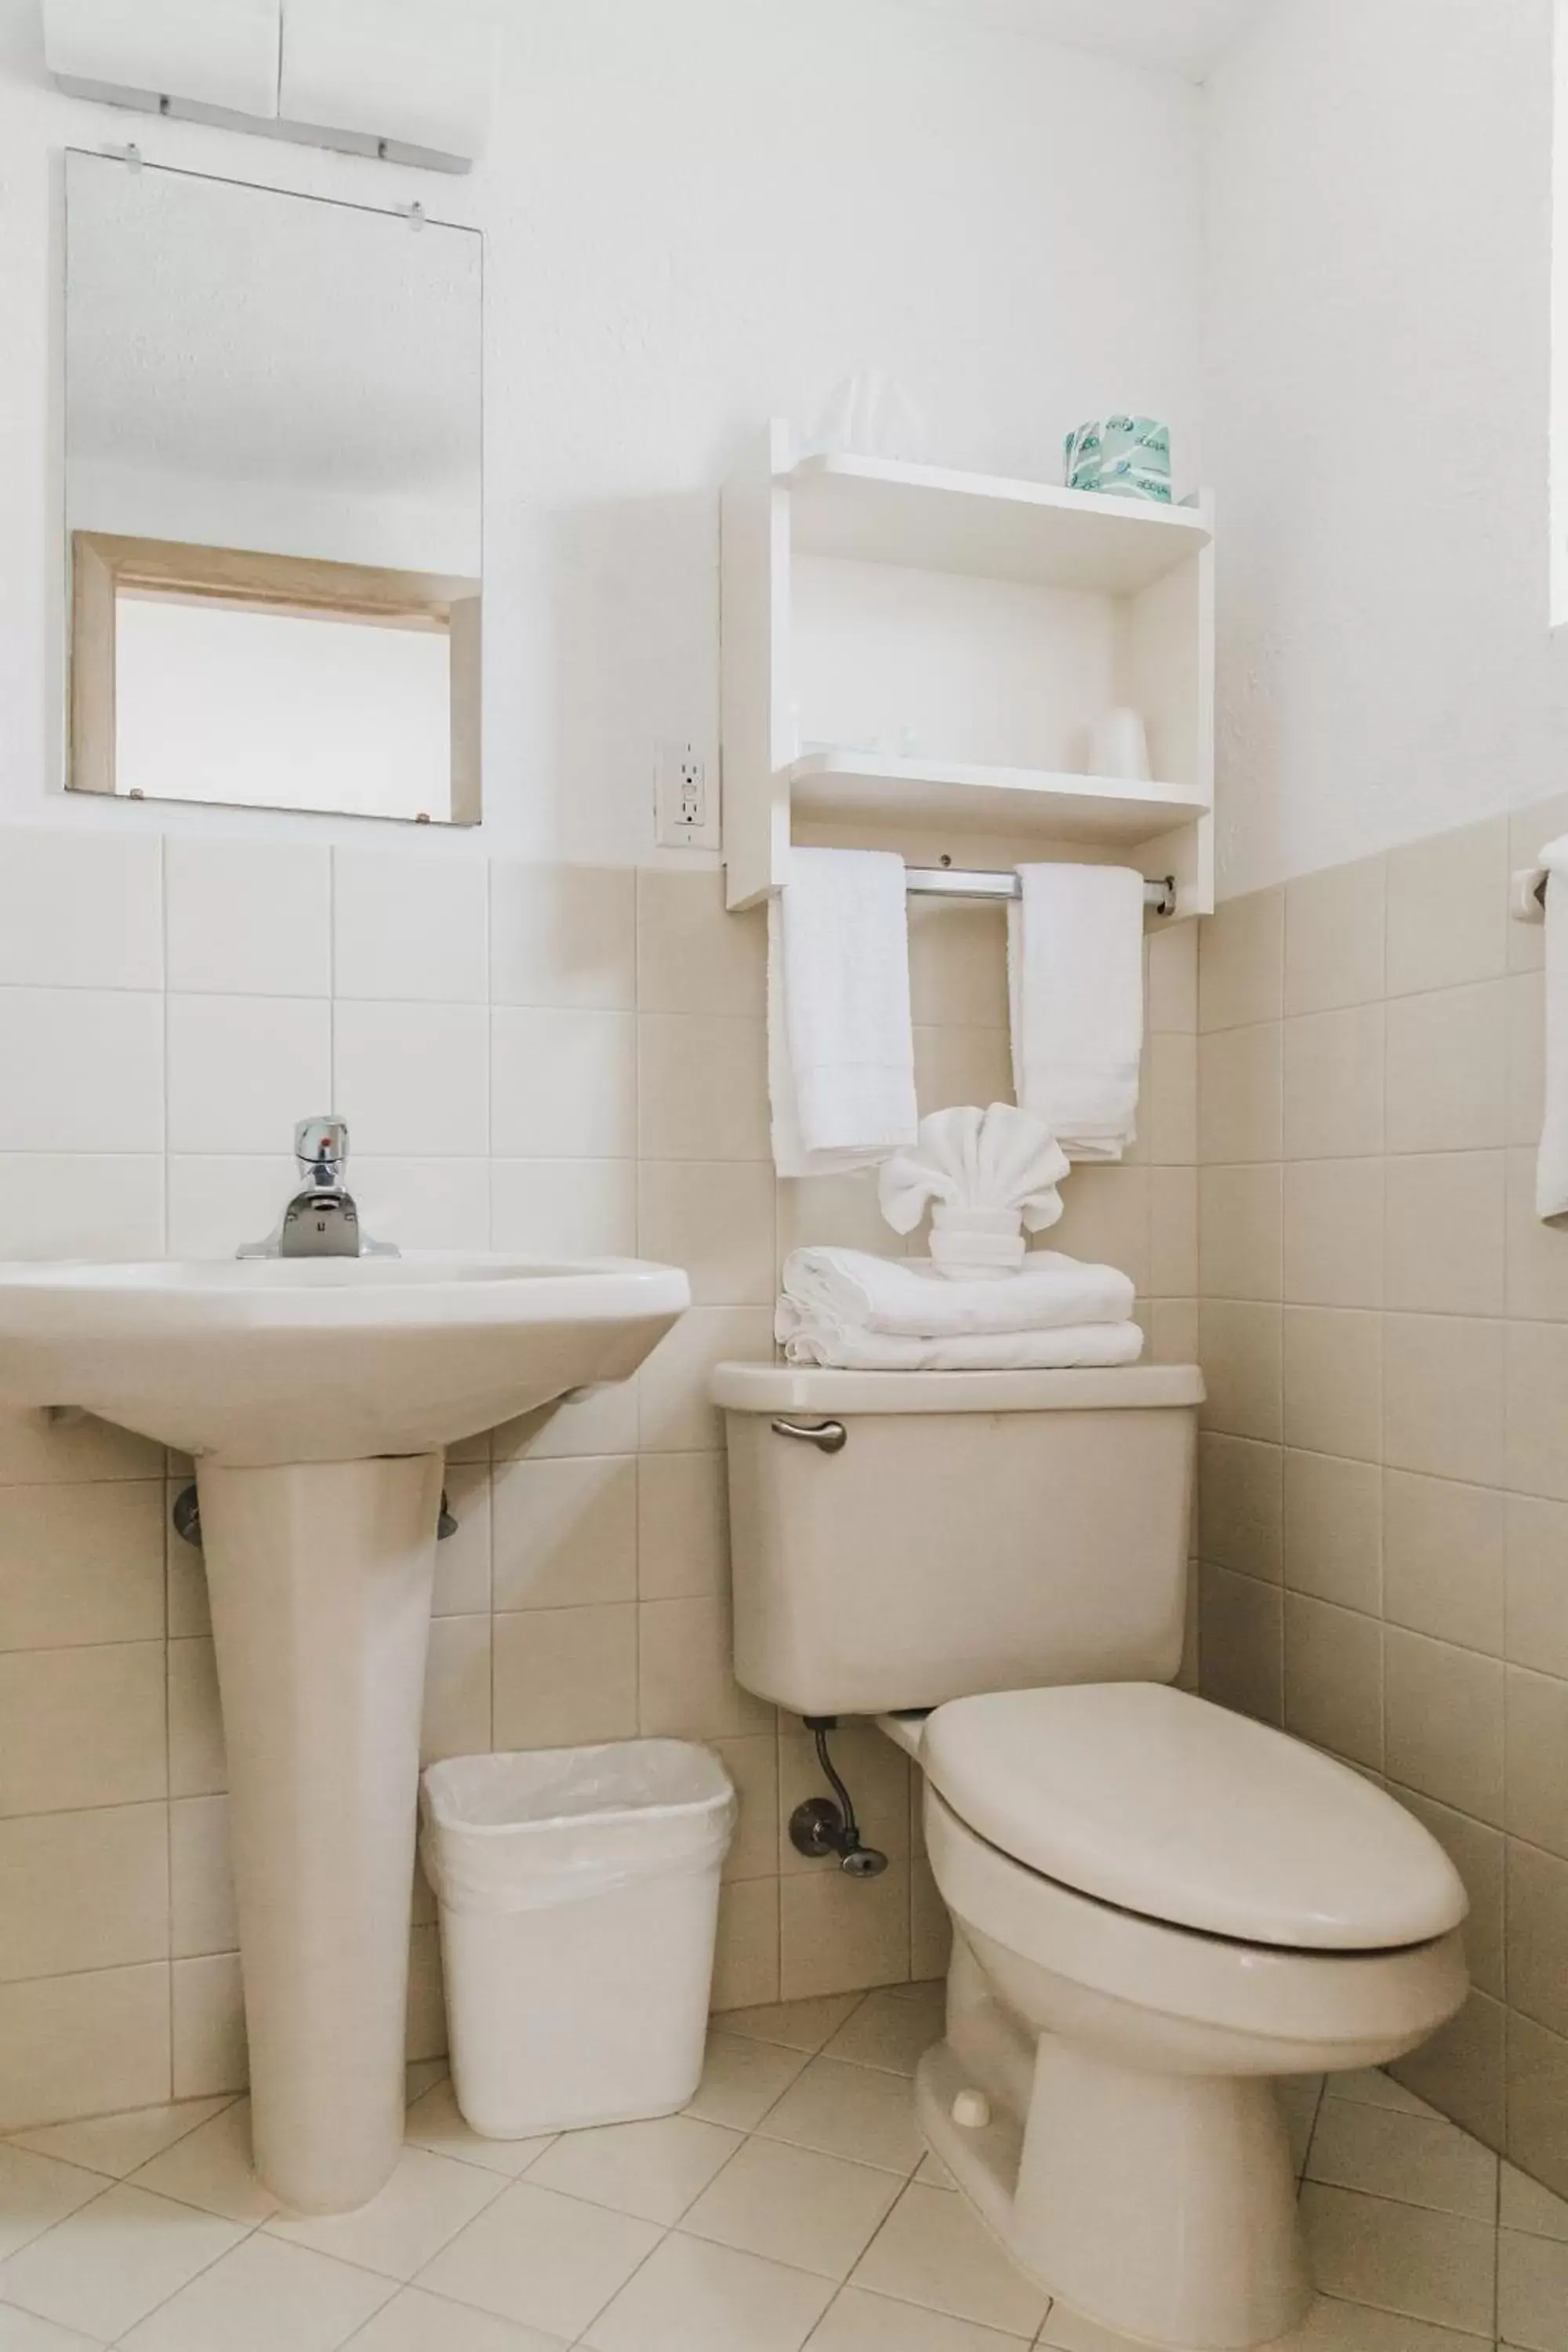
{"x":836,"y":784}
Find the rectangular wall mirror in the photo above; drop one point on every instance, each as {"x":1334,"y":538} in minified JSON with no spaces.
{"x":273,"y":498}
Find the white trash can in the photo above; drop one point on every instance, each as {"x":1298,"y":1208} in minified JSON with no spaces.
{"x":579,"y":1898}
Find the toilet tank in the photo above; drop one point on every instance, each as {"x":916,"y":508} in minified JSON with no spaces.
{"x":973,"y":1531}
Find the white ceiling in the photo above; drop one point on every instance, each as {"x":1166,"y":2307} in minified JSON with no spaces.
{"x":1186,"y":37}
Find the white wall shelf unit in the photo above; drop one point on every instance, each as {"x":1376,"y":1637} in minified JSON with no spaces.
{"x":914,"y":659}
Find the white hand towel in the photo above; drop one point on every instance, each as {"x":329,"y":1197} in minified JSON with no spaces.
{"x":1075,"y":973}
{"x":1552,"y":1166}
{"x":973,"y":1351}
{"x":841,"y":1057}
{"x":852,"y":1293}
{"x":990,"y":1172}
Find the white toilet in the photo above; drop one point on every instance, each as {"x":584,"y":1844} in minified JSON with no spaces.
{"x":1157,"y":1904}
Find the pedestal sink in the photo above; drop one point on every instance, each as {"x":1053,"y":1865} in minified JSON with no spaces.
{"x":318,"y":1396}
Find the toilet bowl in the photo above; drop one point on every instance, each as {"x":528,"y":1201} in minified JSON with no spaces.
{"x":1159,"y":1907}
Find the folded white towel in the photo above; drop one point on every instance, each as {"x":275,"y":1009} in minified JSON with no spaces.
{"x":1075,"y":973}
{"x":971,"y":1351}
{"x":841,"y":1058}
{"x":989,"y":1171}
{"x":850,"y":1294}
{"x":1551,"y":1165}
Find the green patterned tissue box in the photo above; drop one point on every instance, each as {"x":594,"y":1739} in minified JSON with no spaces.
{"x":1122,"y":457}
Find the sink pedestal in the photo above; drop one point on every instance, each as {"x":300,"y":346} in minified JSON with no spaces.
{"x":320,"y":1576}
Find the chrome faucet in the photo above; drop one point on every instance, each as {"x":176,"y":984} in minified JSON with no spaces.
{"x":321,"y":1220}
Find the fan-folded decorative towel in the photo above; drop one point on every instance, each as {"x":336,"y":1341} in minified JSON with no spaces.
{"x":972,"y":1351}
{"x":849,"y":1293}
{"x":1075,"y":973}
{"x":989,"y":1172}
{"x":1552,"y":1167}
{"x":841,"y":1058}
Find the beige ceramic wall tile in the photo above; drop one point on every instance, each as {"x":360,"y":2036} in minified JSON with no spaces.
{"x":1239,"y":1095}
{"x":693,"y":956}
{"x":1537,"y":1253}
{"x":1333,"y":1085}
{"x":683,"y":1526}
{"x":208,"y":2025}
{"x":84,"y":1727}
{"x":1538,"y":1934}
{"x":1537,"y":1746}
{"x":1240,"y":1227}
{"x":1333,"y":1527}
{"x":752,"y":1765}
{"x":1334,"y":929}
{"x":1173,"y":1233}
{"x":81,"y":1564}
{"x":1443,"y":1396}
{"x":1168,"y":1115}
{"x":701,"y":1087}
{"x":1444,"y":1559}
{"x":1173,"y":1330}
{"x":84,"y":1891}
{"x":1537,"y":1612}
{"x":1525,"y":1015}
{"x":1241,"y":1350}
{"x":1241,"y":1508}
{"x":673,"y":1410}
{"x":746,"y":1961}
{"x":1479,"y":1853}
{"x":572,"y":1208}
{"x":961,"y":1065}
{"x":1332,"y":1368}
{"x":1538,"y":2101}
{"x":1445,"y":1726}
{"x":715,"y":1218}
{"x":594,"y":1421}
{"x":1241,"y":958}
{"x":1447,"y":908}
{"x":1445,"y":1225}
{"x":562,"y":935}
{"x":1538,"y":1409}
{"x":1333,"y":1233}
{"x":1172,"y":966}
{"x":565,"y":1532}
{"x":1448,"y":1070}
{"x":1105,"y":1219}
{"x":565,"y":1675}
{"x":202,"y":1914}
{"x":455,"y":1719}
{"x":834,"y":1212}
{"x":1333,"y":1679}
{"x":686,"y":1688}
{"x":828,"y":1942}
{"x":958,"y":964}
{"x":1460,"y":2069}
{"x":197,"y":1765}
{"x":1241,"y":1643}
{"x":35,"y":1451}
{"x":83,"y":2045}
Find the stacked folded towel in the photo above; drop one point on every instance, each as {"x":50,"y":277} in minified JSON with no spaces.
{"x":865,"y":1313}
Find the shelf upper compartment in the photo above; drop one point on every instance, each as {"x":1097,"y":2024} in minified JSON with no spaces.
{"x":876,"y":510}
{"x":837,"y":784}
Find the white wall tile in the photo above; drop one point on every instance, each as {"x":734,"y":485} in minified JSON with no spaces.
{"x":84,"y":1891}
{"x":81,"y":1204}
{"x":80,"y":1070}
{"x":563,"y":1084}
{"x":410,"y":926}
{"x":81,"y":910}
{"x":219,"y":1202}
{"x":423,"y":1204}
{"x":249,"y":918}
{"x":84,"y":1727}
{"x":413,"y":1080}
{"x":83,"y":2045}
{"x":244,"y":1070}
{"x":564,"y":1208}
{"x":81,"y":1564}
{"x":563,"y":935}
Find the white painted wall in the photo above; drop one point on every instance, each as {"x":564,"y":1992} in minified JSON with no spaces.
{"x":1379,"y":218}
{"x":698,"y":213}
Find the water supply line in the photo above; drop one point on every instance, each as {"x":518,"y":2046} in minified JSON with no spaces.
{"x":818,"y":1827}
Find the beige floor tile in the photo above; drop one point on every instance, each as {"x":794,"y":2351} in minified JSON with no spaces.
{"x":892,"y":2028}
{"x":115,"y":2261}
{"x":817,"y":2212}
{"x":692,"y":2297}
{"x":858,"y":2322}
{"x":36,"y":2191}
{"x":1416,"y":2159}
{"x":211,"y":2168}
{"x":262,"y":2296}
{"x":118,"y":2145}
{"x":21,"y":2332}
{"x":857,"y":2112}
{"x":742,"y":2079}
{"x":425,"y":2204}
{"x":1533,"y":2292}
{"x":549,"y":2261}
{"x":652,"y":2169}
{"x":1331,"y":2326}
{"x":434,"y":2122}
{"x":1526,"y":2205}
{"x":1425,"y":2265}
{"x":934,"y":2173}
{"x":416,"y":2321}
{"x":794,"y":2024}
{"x":935,"y":2251}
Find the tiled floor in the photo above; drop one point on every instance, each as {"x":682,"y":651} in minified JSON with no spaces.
{"x":792,"y":2206}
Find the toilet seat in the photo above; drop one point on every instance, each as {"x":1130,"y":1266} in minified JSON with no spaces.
{"x":1179,"y":1812}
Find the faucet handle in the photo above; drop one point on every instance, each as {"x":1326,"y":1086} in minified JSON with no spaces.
{"x":321,"y":1149}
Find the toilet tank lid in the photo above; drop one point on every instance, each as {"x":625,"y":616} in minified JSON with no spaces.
{"x":794,"y":1387}
{"x":1168,"y":1806}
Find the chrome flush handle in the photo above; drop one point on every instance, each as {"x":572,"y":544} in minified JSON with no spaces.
{"x":828,"y":1436}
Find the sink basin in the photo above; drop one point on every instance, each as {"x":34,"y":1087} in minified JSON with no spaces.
{"x":324,"y":1360}
{"x":318,"y":1396}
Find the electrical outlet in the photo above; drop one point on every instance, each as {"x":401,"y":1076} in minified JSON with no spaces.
{"x":681,"y":818}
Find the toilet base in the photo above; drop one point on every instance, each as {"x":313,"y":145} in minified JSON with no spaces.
{"x":1162,"y":2206}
